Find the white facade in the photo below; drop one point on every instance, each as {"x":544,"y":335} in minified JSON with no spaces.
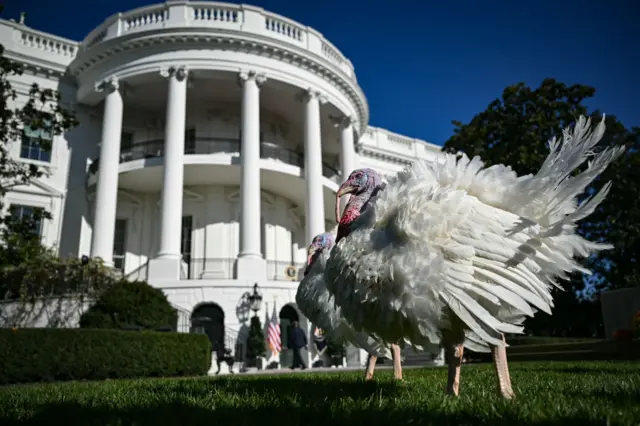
{"x":259,"y":118}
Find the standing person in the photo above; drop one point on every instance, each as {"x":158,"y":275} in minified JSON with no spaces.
{"x":297,"y":341}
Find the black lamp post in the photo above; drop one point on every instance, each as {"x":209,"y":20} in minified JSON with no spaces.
{"x":255,"y":299}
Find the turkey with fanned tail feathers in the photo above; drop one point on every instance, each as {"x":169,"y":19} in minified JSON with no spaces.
{"x":457,"y":255}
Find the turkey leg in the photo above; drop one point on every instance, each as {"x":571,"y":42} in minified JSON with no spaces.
{"x":499,"y":354}
{"x":371,"y":366}
{"x":454,"y":361}
{"x":397,"y":365}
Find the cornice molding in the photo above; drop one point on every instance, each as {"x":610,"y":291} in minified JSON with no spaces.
{"x":365,"y":151}
{"x":307,"y":61}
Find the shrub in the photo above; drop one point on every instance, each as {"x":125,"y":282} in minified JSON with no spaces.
{"x":40,"y":354}
{"x":48,"y":275}
{"x":256,"y":345}
{"x":127,"y":304}
{"x":47,"y":290}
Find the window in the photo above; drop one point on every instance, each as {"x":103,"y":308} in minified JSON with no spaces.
{"x":30,"y":148}
{"x":185,"y":241}
{"x":20,"y":211}
{"x":190,"y":141}
{"x":126,"y":141}
{"x":119,"y":244}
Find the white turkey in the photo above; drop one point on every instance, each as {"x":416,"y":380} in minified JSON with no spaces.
{"x":456,"y":254}
{"x":314,"y":301}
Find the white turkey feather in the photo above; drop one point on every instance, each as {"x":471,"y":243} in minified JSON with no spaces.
{"x":314,"y":301}
{"x":452,"y":237}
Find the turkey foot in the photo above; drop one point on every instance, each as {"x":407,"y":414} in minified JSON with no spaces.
{"x":499,"y":354}
{"x":454,"y":361}
{"x":397,"y":359}
{"x":371,"y":366}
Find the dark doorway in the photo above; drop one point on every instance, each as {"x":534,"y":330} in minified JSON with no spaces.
{"x":288,"y":314}
{"x":208,"y":319}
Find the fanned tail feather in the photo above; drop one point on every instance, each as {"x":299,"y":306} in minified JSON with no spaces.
{"x":482,"y":243}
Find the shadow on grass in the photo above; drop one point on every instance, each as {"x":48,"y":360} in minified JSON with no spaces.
{"x":64,"y":414}
{"x":618,"y":398}
{"x":576,"y":370}
{"x":304,"y":389}
{"x":295,"y":400}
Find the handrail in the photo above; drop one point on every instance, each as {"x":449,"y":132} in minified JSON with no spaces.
{"x":244,"y":20}
{"x":215,"y":268}
{"x":234,"y":343}
{"x":224,"y":268}
{"x":211,"y":145}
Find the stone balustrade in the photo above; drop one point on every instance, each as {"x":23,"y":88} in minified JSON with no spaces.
{"x":232,"y":18}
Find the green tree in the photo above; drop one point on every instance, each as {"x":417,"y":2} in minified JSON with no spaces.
{"x":514,"y":130}
{"x":256,"y":346}
{"x":43,"y":116}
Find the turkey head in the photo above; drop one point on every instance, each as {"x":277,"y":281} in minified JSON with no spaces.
{"x":361,"y":184}
{"x":319,"y":243}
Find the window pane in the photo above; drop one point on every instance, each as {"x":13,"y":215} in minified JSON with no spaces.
{"x":120,"y":237}
{"x":126,"y":140}
{"x":45,"y":156}
{"x":190,"y":141}
{"x":187,"y":229}
{"x":119,"y":244}
{"x":118,"y":263}
{"x":31,"y":150}
{"x":19,"y":211}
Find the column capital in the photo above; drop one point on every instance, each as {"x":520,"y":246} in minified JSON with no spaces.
{"x":245,"y":75}
{"x":179,"y":71}
{"x":312,"y":93}
{"x":108,"y":85}
{"x":342,"y":122}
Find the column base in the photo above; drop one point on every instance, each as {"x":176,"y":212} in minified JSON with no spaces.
{"x":164,"y":268}
{"x":251,"y":268}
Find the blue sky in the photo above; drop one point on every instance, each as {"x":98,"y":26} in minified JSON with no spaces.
{"x":422,"y":64}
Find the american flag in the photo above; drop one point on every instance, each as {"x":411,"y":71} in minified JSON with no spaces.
{"x":273,"y":334}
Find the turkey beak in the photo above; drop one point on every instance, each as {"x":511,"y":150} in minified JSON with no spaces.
{"x":345,"y":188}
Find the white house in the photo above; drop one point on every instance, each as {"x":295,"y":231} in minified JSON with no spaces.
{"x":212,"y":140}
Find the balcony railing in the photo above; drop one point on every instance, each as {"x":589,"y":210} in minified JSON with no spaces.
{"x":230,"y":18}
{"x":224,"y":268}
{"x":206,"y":146}
{"x":210,"y":268}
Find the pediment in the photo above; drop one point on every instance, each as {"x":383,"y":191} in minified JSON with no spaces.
{"x":38,"y":187}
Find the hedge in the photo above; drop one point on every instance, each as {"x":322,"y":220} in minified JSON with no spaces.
{"x":40,"y":354}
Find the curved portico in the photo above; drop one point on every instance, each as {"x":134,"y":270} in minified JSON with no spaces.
{"x":323,"y":111}
{"x":214,"y":135}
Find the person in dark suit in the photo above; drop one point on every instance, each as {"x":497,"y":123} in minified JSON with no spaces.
{"x":297,"y":341}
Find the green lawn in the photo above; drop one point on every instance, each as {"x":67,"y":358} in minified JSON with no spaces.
{"x":584,"y":393}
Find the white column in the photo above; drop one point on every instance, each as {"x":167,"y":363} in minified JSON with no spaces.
{"x":106,"y":203}
{"x":347,"y":149}
{"x":313,"y":165}
{"x":173,"y":178}
{"x":251,"y":265}
{"x":348,"y":159}
{"x":168,"y":260}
